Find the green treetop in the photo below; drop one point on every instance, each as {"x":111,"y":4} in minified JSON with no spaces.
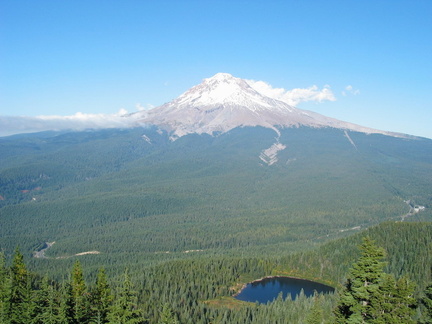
{"x":372,"y":296}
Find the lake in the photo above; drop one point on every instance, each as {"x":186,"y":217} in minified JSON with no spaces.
{"x":268,"y":289}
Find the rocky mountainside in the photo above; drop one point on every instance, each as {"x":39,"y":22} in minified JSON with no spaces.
{"x":224,"y":102}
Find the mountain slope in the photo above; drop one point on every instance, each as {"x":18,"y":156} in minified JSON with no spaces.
{"x":139,"y":194}
{"x":223,"y":102}
{"x":225,"y":186}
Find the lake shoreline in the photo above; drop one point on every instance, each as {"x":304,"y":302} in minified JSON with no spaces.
{"x":244,"y":286}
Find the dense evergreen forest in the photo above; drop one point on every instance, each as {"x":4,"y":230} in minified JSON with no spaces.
{"x":200,"y":290}
{"x":127,"y":223}
{"x":117,"y":192}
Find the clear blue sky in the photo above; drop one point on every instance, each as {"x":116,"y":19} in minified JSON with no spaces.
{"x":63,"y":57}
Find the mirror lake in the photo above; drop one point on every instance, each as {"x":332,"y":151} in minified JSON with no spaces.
{"x":268,"y":289}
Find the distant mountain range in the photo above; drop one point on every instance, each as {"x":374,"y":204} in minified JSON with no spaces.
{"x":224,"y":102}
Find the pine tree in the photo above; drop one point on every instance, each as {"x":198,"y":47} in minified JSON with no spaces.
{"x":372,"y":296}
{"x":45,"y":308}
{"x":404,"y":301}
{"x":362,"y":283}
{"x":124,"y":310}
{"x":18,"y":304}
{"x":79,"y":295}
{"x":101,"y":298}
{"x":315,"y":315}
{"x":4,"y":288}
{"x":66,"y":311}
{"x":394,"y":302}
{"x":167,"y":316}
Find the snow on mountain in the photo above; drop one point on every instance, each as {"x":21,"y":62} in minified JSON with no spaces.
{"x":224,"y":102}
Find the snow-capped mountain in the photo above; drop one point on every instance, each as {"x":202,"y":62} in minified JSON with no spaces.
{"x":224,"y":102}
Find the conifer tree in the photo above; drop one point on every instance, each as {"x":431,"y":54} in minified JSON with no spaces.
{"x":101,"y":298}
{"x":125,"y":308}
{"x":404,"y":302}
{"x":66,"y":311}
{"x":4,"y":288}
{"x":45,"y":308}
{"x":363,"y":282}
{"x":167,"y":316}
{"x":394,"y":302}
{"x":79,"y":294}
{"x":18,"y":303}
{"x":371,"y":295}
{"x":315,"y":315}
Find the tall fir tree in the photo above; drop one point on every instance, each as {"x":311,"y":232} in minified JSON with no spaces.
{"x":362,"y":284}
{"x":101,"y":298}
{"x":394,"y":301}
{"x":45,"y":304}
{"x":66,"y":311}
{"x":80,"y":296}
{"x":372,"y":296}
{"x":404,"y":303}
{"x":18,"y":303}
{"x":4,"y":288}
{"x":125,"y":307}
{"x":315,"y":315}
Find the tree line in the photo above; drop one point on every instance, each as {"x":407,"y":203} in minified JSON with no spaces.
{"x":369,"y":295}
{"x":27,"y":298}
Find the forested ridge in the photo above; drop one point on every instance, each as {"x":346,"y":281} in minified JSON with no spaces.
{"x":124,"y":194}
{"x":181,"y":226}
{"x":199,"y":290}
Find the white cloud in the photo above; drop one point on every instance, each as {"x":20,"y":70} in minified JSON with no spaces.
{"x":140,"y":107}
{"x":122,"y":112}
{"x":294,"y":96}
{"x":350,"y":89}
{"x":18,"y":124}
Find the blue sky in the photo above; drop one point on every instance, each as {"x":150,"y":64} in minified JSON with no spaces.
{"x":97,"y":57}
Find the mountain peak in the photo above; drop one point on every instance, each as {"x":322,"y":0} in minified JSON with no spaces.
{"x":223,"y":102}
{"x":220,"y":89}
{"x":221,"y":77}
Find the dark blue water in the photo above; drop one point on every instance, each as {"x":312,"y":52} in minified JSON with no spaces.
{"x":268,"y":289}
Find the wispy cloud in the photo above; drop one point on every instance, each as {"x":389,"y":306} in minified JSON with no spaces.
{"x":18,"y":124}
{"x":294,"y":96}
{"x":140,"y":107}
{"x":349,"y":89}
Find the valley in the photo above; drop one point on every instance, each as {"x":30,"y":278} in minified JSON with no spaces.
{"x":185,"y":210}
{"x":207,"y":193}
{"x":237,"y":218}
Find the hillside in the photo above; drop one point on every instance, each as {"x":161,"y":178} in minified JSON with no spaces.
{"x":132,"y":193}
{"x":200,"y":289}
